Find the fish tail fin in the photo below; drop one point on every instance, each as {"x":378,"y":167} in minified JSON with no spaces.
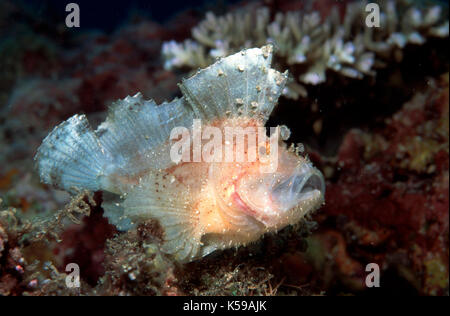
{"x":71,"y":157}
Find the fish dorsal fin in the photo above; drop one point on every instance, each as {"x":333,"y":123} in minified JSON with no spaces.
{"x":242,"y":84}
{"x":162,"y":197}
{"x":135,"y":135}
{"x":134,"y":127}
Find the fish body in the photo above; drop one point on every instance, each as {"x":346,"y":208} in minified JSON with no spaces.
{"x":203,"y":204}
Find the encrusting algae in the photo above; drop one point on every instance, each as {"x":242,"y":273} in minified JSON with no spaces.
{"x":202,"y":205}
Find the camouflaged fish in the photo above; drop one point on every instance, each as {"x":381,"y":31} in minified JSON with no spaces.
{"x":202,"y":206}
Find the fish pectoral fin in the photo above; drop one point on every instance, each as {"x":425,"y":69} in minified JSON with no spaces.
{"x":160,"y":196}
{"x":181,"y":239}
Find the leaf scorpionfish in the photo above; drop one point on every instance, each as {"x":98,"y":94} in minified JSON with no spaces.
{"x":202,"y":206}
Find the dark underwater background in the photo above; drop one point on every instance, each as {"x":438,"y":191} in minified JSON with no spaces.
{"x":380,"y":137}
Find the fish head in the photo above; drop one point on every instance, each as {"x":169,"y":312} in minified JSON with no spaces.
{"x":283,"y":197}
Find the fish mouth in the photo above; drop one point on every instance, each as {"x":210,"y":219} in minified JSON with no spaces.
{"x":305,"y":184}
{"x":279,"y":200}
{"x":310,"y":183}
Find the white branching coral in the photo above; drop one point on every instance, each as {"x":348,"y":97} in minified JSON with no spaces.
{"x":188,"y":53}
{"x":310,"y":43}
